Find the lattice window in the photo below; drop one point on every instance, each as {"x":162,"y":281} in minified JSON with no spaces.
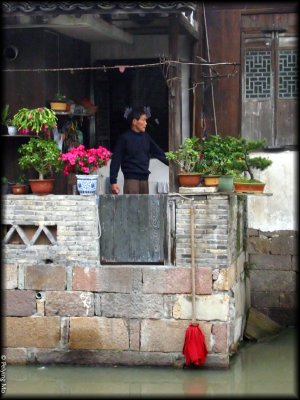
{"x":258,"y":74}
{"x":288,"y":74}
{"x":29,"y":234}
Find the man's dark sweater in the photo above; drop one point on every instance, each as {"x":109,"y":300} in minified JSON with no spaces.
{"x":132,"y":153}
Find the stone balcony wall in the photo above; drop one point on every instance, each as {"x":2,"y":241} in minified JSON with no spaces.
{"x":62,"y":306}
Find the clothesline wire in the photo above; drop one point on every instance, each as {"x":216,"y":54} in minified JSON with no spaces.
{"x":105,"y":67}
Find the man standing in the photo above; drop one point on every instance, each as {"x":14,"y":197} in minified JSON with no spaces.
{"x":132,"y":153}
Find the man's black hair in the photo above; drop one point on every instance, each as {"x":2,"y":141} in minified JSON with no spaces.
{"x":135,"y":113}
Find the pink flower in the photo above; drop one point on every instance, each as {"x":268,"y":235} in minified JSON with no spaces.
{"x":80,"y":160}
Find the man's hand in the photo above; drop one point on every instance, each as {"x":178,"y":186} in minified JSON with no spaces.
{"x":115,"y":188}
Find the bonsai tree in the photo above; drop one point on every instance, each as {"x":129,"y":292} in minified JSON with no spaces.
{"x":188,"y":156}
{"x":41,"y":155}
{"x":245,"y":165}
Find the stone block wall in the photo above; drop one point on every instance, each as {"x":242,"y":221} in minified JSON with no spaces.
{"x":62,"y":306}
{"x":273,"y":271}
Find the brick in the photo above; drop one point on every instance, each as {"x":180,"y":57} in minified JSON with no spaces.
{"x":168,"y":335}
{"x":277,"y":280}
{"x":176,"y":280}
{"x":31,"y":331}
{"x":166,"y":280}
{"x":45,"y":277}
{"x":15,"y":356}
{"x":257,"y":245}
{"x":98,"y":333}
{"x":134,"y":334}
{"x":295,"y":263}
{"x":111,"y":279}
{"x":218,"y":360}
{"x":267,"y":298}
{"x":288,"y":300}
{"x":204,"y":280}
{"x":19,"y":303}
{"x":270,"y":261}
{"x":284,"y":245}
{"x":134,"y":305}
{"x":225,"y":279}
{"x":215,"y":306}
{"x":109,"y":358}
{"x":65,"y":303}
{"x":10,"y":276}
{"x":220,"y":332}
{"x":252,"y":232}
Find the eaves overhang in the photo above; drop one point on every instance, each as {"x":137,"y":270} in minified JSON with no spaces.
{"x":89,"y":7}
{"x":101,"y":21}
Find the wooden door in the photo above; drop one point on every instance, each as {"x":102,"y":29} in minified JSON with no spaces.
{"x":133,"y":229}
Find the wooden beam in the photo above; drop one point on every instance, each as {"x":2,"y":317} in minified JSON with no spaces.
{"x":188,"y":27}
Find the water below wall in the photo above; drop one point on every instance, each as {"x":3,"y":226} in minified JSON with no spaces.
{"x":263,"y":368}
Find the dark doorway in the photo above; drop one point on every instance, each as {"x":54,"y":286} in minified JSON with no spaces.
{"x":117,"y":89}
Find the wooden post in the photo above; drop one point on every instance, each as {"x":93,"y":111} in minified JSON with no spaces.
{"x":174,"y":98}
{"x":198,"y":117}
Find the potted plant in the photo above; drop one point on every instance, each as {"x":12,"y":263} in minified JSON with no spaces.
{"x":37,"y":121}
{"x":84,"y":163}
{"x":188,"y":157}
{"x":43,"y":156}
{"x":6,"y":123}
{"x":4,"y":185}
{"x":219,"y":161}
{"x":246,"y":164}
{"x":20,"y":186}
{"x":59,"y":103}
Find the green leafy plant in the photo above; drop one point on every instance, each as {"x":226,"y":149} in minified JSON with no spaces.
{"x":39,"y":121}
{"x":188,"y":156}
{"x":220,"y":155}
{"x":231,"y":155}
{"x":21,"y":180}
{"x":4,"y":180}
{"x":42,"y":155}
{"x":60,"y":97}
{"x":5,"y":115}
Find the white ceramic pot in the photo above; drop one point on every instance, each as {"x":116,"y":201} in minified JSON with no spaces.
{"x":12,"y":130}
{"x":87,"y":184}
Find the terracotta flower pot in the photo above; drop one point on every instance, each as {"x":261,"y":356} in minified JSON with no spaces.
{"x":41,"y":186}
{"x":211,"y":180}
{"x":248,"y":187}
{"x":58,"y":105}
{"x":189,"y":180}
{"x":18,"y":189}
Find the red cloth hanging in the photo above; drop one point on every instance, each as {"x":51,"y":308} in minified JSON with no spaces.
{"x":194,"y":348}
